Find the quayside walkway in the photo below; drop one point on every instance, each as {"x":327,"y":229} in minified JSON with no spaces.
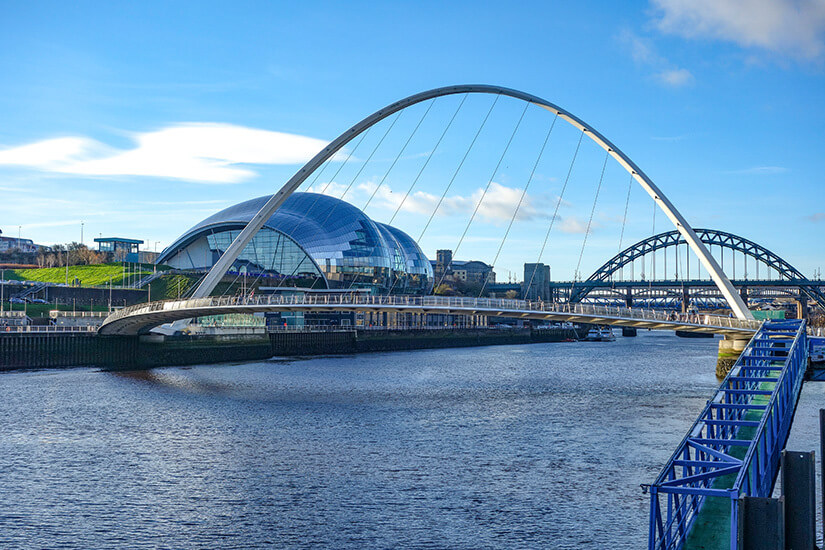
{"x":733,"y":449}
{"x":141,"y":318}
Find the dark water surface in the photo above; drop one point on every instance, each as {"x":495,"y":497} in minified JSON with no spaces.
{"x":534,"y":446}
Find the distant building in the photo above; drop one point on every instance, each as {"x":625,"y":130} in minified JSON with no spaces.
{"x":312,"y":240}
{"x":472,"y":271}
{"x":120,"y":249}
{"x":536,"y":284}
{"x":443,"y":259}
{"x":7,"y":244}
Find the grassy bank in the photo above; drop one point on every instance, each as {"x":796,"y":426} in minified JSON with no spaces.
{"x":88,"y":275}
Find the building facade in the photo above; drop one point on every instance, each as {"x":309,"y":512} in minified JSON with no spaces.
{"x":536,"y":284}
{"x":313,"y":241}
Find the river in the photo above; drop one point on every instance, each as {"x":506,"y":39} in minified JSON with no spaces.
{"x":526,"y":446}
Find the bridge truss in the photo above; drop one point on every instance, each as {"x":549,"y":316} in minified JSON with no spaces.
{"x":790,"y":276}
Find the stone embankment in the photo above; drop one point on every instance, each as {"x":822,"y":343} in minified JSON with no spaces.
{"x":56,"y":350}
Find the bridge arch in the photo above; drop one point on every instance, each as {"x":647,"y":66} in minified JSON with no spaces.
{"x":236,"y":248}
{"x":708,"y":237}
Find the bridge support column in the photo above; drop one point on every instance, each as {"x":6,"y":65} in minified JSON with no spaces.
{"x":729,"y":351}
{"x":628,"y":297}
{"x":802,"y":307}
{"x":685,"y":299}
{"x":743,"y":293}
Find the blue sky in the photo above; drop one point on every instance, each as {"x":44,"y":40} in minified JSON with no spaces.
{"x":141,"y":119}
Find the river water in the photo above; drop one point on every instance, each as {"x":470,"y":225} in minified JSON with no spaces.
{"x":526,"y":446}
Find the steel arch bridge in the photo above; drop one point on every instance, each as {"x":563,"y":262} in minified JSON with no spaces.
{"x":708,"y":237}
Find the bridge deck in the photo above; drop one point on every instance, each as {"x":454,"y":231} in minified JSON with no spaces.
{"x":733,"y":447}
{"x":140,"y":318}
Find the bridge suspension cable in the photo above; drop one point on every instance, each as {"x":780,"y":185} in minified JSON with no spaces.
{"x":555,"y":212}
{"x":486,"y":188}
{"x":520,"y":201}
{"x":257,"y":221}
{"x":590,"y":220}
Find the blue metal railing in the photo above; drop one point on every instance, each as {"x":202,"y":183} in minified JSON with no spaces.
{"x":734,"y":446}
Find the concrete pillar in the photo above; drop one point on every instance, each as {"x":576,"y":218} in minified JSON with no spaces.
{"x":743,"y":293}
{"x":729,"y":351}
{"x":802,"y":307}
{"x":628,"y":297}
{"x":685,"y":299}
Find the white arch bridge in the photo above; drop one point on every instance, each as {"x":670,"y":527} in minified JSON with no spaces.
{"x":141,"y":318}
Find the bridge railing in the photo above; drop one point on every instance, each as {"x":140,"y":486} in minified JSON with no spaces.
{"x":733,"y":448}
{"x":482,"y":306}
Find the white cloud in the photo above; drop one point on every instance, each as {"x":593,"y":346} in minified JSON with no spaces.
{"x":675,"y":78}
{"x":498,"y":205}
{"x":788,"y":27}
{"x":643,"y":53}
{"x":641,"y":49}
{"x":200,"y":152}
{"x":756,"y":170}
{"x":48,"y":153}
{"x":576,"y":226}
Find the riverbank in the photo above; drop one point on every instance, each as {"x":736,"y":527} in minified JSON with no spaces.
{"x":28,"y":351}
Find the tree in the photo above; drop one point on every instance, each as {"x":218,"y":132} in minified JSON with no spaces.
{"x":511,"y":294}
{"x":444,"y":290}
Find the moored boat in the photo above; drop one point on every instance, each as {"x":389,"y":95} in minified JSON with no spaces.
{"x":600,"y":334}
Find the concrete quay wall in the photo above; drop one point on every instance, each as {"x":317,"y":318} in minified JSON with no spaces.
{"x":59,"y":350}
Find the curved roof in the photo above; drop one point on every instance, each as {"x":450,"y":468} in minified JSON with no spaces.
{"x":324,"y":226}
{"x":330,"y":230}
{"x":417,"y":261}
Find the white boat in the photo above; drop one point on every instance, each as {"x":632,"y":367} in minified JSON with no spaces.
{"x":600,"y":334}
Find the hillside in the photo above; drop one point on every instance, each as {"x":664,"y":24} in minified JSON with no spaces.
{"x":88,"y":275}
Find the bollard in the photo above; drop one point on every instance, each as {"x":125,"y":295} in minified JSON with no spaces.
{"x":761,"y":524}
{"x":799,"y":494}
{"x":822,"y":465}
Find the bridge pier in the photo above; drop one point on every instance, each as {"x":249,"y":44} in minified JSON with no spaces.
{"x":685,"y":299}
{"x":802,"y":307}
{"x":743,"y":293}
{"x":729,"y":351}
{"x":628,"y":297}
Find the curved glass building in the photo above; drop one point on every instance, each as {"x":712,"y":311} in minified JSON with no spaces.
{"x":312,"y":240}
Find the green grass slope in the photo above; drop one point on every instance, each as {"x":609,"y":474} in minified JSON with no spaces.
{"x":88,"y":275}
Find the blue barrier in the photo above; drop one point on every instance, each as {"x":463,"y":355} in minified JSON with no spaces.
{"x":733,"y":448}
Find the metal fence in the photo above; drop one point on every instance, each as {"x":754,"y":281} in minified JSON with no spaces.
{"x":734,"y":446}
{"x":40,"y":329}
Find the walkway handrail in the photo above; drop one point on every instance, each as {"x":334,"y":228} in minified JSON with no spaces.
{"x":744,"y":412}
